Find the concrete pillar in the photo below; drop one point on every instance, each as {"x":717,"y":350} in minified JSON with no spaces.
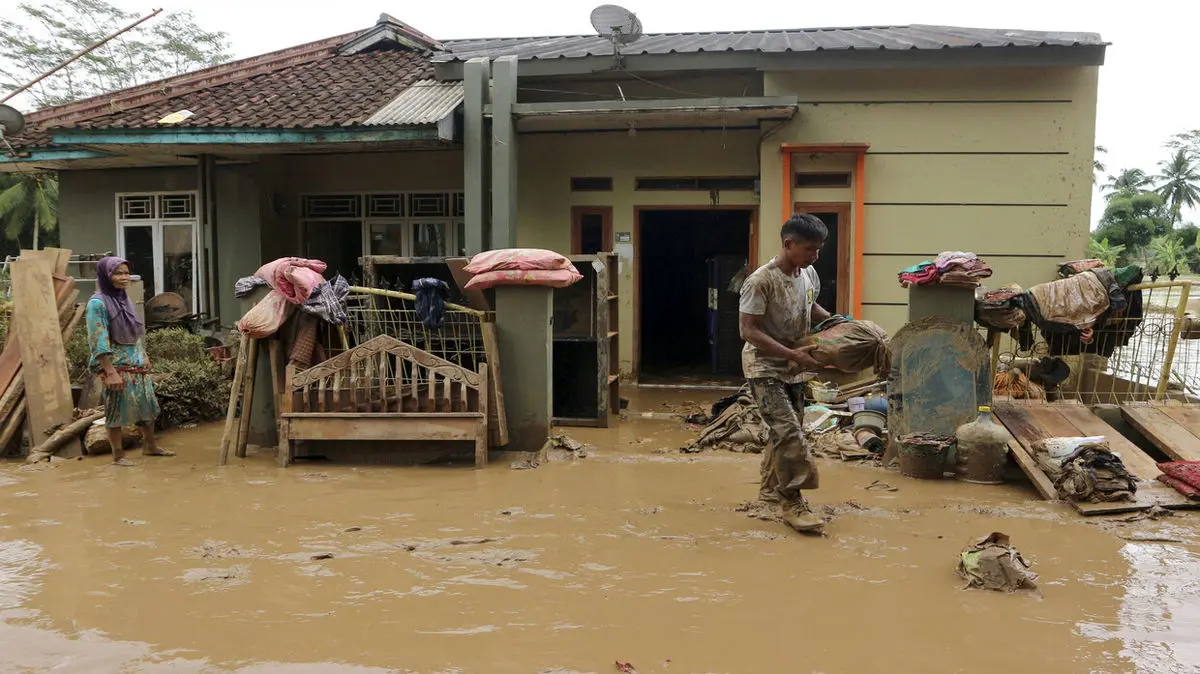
{"x":525,"y":334}
{"x":210,"y":296}
{"x":476,"y":154}
{"x":504,"y":153}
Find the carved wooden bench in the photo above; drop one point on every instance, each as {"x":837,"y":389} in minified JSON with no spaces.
{"x":384,"y":389}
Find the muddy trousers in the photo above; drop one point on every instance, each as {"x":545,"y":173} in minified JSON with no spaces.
{"x":787,"y":464}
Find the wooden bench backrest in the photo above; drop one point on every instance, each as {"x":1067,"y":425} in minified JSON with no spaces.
{"x":385,"y":374}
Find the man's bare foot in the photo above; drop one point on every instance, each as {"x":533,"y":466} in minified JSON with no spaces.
{"x":158,"y":451}
{"x":124,"y":462}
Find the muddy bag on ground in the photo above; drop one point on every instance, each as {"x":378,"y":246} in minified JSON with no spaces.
{"x":850,"y":346}
{"x":993,"y":564}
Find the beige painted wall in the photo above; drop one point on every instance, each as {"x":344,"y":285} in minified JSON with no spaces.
{"x":997,"y":162}
{"x":548,"y":161}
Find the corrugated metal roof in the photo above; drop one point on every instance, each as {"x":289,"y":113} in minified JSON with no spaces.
{"x":898,"y":38}
{"x":425,"y":102}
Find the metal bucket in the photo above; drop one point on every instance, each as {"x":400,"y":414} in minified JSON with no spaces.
{"x":922,"y":459}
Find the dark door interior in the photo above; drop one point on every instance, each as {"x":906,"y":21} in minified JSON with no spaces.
{"x":676,"y":246}
{"x":827,"y":264}
{"x":591,"y":233}
{"x":338,"y":244}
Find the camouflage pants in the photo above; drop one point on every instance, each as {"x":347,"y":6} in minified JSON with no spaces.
{"x":787,"y":464}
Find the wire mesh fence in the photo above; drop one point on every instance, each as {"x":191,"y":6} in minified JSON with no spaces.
{"x":1148,"y":355}
{"x":459,"y":339}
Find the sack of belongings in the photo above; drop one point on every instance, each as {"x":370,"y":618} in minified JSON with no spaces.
{"x":993,"y":564}
{"x":850,"y":346}
{"x":1085,"y":469}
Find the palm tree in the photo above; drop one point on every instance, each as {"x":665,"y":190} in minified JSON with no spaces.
{"x":1097,"y":165}
{"x":1126,"y":182}
{"x":1179,"y":182}
{"x":1168,"y":254}
{"x":29,"y":198}
{"x":1105,"y":252}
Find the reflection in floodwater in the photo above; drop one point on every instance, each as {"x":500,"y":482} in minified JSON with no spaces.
{"x":1158,"y":623}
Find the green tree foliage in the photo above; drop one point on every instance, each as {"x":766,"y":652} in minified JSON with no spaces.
{"x":40,"y":35}
{"x":1133,"y":220}
{"x":1167,"y":254}
{"x":1125,"y":183}
{"x":1098,"y":166}
{"x":28,"y":204}
{"x":1105,"y":252}
{"x":1179,"y":182}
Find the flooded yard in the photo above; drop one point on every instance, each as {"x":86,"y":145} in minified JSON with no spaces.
{"x":635,"y":554}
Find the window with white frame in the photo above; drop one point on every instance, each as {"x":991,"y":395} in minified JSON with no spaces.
{"x":340,"y":228}
{"x":158,"y":233}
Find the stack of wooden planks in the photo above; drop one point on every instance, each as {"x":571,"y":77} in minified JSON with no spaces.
{"x":34,"y":375}
{"x":1031,"y":422}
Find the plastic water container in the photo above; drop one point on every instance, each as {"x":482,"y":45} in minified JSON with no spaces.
{"x":982,"y":450}
{"x":857,"y":404}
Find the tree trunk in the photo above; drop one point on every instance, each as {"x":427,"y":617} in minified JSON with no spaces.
{"x":71,"y":431}
{"x":36,"y":226}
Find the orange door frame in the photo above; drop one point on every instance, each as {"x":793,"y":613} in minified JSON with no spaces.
{"x":859,"y":150}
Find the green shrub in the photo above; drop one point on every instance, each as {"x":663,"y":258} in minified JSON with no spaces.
{"x":189,"y":391}
{"x":175,"y":344}
{"x":78,"y":353}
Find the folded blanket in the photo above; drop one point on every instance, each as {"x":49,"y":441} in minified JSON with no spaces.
{"x":1182,"y":472}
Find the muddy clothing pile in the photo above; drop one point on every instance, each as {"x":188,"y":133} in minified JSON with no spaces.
{"x":736,"y":427}
{"x":993,"y":564}
{"x":1090,"y":472}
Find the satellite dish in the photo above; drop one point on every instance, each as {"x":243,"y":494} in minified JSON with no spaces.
{"x":617,"y":24}
{"x":12,"y":123}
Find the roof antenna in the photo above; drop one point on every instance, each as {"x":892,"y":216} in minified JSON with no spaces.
{"x":617,"y":25}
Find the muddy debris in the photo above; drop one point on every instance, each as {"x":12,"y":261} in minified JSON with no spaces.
{"x":215,"y":550}
{"x":562,"y":447}
{"x":992,"y":563}
{"x":350,"y":530}
{"x":625,"y":668}
{"x":880,"y":485}
{"x":320,"y":556}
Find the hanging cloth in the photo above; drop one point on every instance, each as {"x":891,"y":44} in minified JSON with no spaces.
{"x":431,"y":301}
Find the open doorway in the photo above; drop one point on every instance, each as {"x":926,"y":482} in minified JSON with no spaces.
{"x":833,"y":267}
{"x":687,"y":333}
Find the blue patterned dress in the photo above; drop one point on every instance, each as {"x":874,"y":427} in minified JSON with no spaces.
{"x":136,"y":404}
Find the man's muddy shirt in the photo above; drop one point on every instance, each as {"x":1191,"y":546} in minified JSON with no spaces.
{"x":785,"y":304}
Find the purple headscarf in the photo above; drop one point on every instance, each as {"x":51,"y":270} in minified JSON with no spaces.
{"x":124,"y":326}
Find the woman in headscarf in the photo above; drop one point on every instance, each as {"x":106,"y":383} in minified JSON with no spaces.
{"x":115,"y":335}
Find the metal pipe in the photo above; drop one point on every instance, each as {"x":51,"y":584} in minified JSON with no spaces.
{"x":83,"y":53}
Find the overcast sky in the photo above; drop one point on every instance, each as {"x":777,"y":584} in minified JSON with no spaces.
{"x":1148,"y":86}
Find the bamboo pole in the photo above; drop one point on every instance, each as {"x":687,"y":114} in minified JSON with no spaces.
{"x":413,"y":298}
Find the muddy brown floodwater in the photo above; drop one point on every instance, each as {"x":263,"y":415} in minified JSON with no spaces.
{"x":636,"y":553}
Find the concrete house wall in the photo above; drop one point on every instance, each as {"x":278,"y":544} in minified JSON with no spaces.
{"x":998,"y":162}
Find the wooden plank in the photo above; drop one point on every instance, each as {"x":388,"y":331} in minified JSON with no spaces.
{"x":1015,"y":420}
{"x":1150,"y":492}
{"x":248,"y":401}
{"x":475,"y":298}
{"x":44,"y":360}
{"x":235,"y":391}
{"x":1187,"y":416}
{"x":381,"y":427}
{"x":497,"y":416}
{"x":1161,"y":429}
{"x":62,"y":258}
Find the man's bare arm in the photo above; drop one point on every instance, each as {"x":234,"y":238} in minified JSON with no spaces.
{"x":819,"y":313}
{"x":752,"y":332}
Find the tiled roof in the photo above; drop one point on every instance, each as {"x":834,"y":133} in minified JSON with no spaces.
{"x":773,"y":41}
{"x":426,"y":102}
{"x":337,"y":91}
